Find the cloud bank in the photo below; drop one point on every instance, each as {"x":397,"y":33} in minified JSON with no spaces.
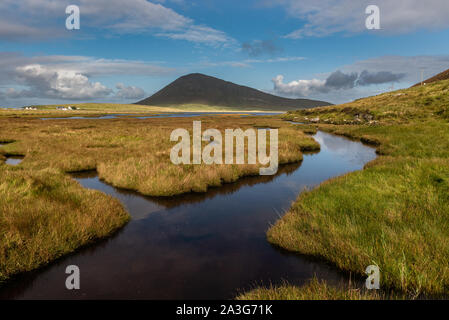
{"x":69,"y":77}
{"x":355,"y":80}
{"x":130,"y":92}
{"x":41,"y":19}
{"x":336,"y":81}
{"x":326,"y":17}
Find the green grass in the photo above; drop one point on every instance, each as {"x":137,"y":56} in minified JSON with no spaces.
{"x":44,"y":215}
{"x":314,"y":290}
{"x":394,"y":213}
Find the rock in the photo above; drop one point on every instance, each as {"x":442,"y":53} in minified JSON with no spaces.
{"x":368,"y":117}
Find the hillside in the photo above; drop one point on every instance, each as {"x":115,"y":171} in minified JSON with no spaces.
{"x":198,"y":88}
{"x":394,"y":213}
{"x":441,"y":76}
{"x":398,"y":107}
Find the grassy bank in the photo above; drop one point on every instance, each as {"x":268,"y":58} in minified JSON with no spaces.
{"x":44,"y":214}
{"x":314,"y":290}
{"x":135,"y":153}
{"x":394,"y":213}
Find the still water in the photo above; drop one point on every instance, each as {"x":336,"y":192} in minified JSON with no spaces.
{"x":169,"y":115}
{"x":14,"y":160}
{"x":198,"y":246}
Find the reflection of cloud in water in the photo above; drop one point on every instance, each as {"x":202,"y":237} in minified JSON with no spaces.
{"x":353,"y":151}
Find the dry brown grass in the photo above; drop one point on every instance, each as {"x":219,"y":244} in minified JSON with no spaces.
{"x":135,"y":153}
{"x":44,"y":214}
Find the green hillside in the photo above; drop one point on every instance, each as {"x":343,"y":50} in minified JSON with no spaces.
{"x":395,"y":212}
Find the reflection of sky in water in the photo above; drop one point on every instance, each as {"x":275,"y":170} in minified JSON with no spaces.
{"x":351,"y":151}
{"x":197,"y":246}
{"x":169,"y":115}
{"x":13,"y":161}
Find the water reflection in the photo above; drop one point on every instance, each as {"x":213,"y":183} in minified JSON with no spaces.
{"x":14,"y":160}
{"x":199,"y":246}
{"x":167,"y":115}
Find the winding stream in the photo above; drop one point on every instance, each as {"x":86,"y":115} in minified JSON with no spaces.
{"x":198,"y":246}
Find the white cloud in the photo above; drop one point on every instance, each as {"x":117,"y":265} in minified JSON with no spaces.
{"x":298,"y":88}
{"x":200,"y":34}
{"x":69,"y":77}
{"x":279,"y":59}
{"x":89,"y":66}
{"x":325,"y":17}
{"x":64,"y":84}
{"x":337,"y":80}
{"x":374,"y":74}
{"x":27,"y":19}
{"x":248,"y":62}
{"x":130,"y":92}
{"x":13,"y":30}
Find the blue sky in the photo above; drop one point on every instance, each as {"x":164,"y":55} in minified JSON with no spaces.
{"x":125,"y":51}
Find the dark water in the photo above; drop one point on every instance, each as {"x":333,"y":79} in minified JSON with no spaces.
{"x":208,"y":246}
{"x":170,"y":115}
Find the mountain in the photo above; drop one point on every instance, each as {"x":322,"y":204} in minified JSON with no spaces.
{"x":441,"y":76}
{"x":198,"y":88}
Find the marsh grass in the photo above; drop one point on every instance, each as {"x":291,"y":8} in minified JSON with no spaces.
{"x":313,"y":290}
{"x":135,"y":153}
{"x":44,"y":214}
{"x":394,"y":213}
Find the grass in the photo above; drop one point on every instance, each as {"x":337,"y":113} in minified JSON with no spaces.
{"x":394,"y":213}
{"x":44,"y":214}
{"x":314,"y":290}
{"x":135,"y":153}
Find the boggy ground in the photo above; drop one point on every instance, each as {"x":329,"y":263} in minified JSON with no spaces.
{"x":394,"y":213}
{"x":44,"y":214}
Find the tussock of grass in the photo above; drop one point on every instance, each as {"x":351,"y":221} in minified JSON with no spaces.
{"x":134,"y":153}
{"x":314,"y":290}
{"x":394,"y":213}
{"x":44,"y":214}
